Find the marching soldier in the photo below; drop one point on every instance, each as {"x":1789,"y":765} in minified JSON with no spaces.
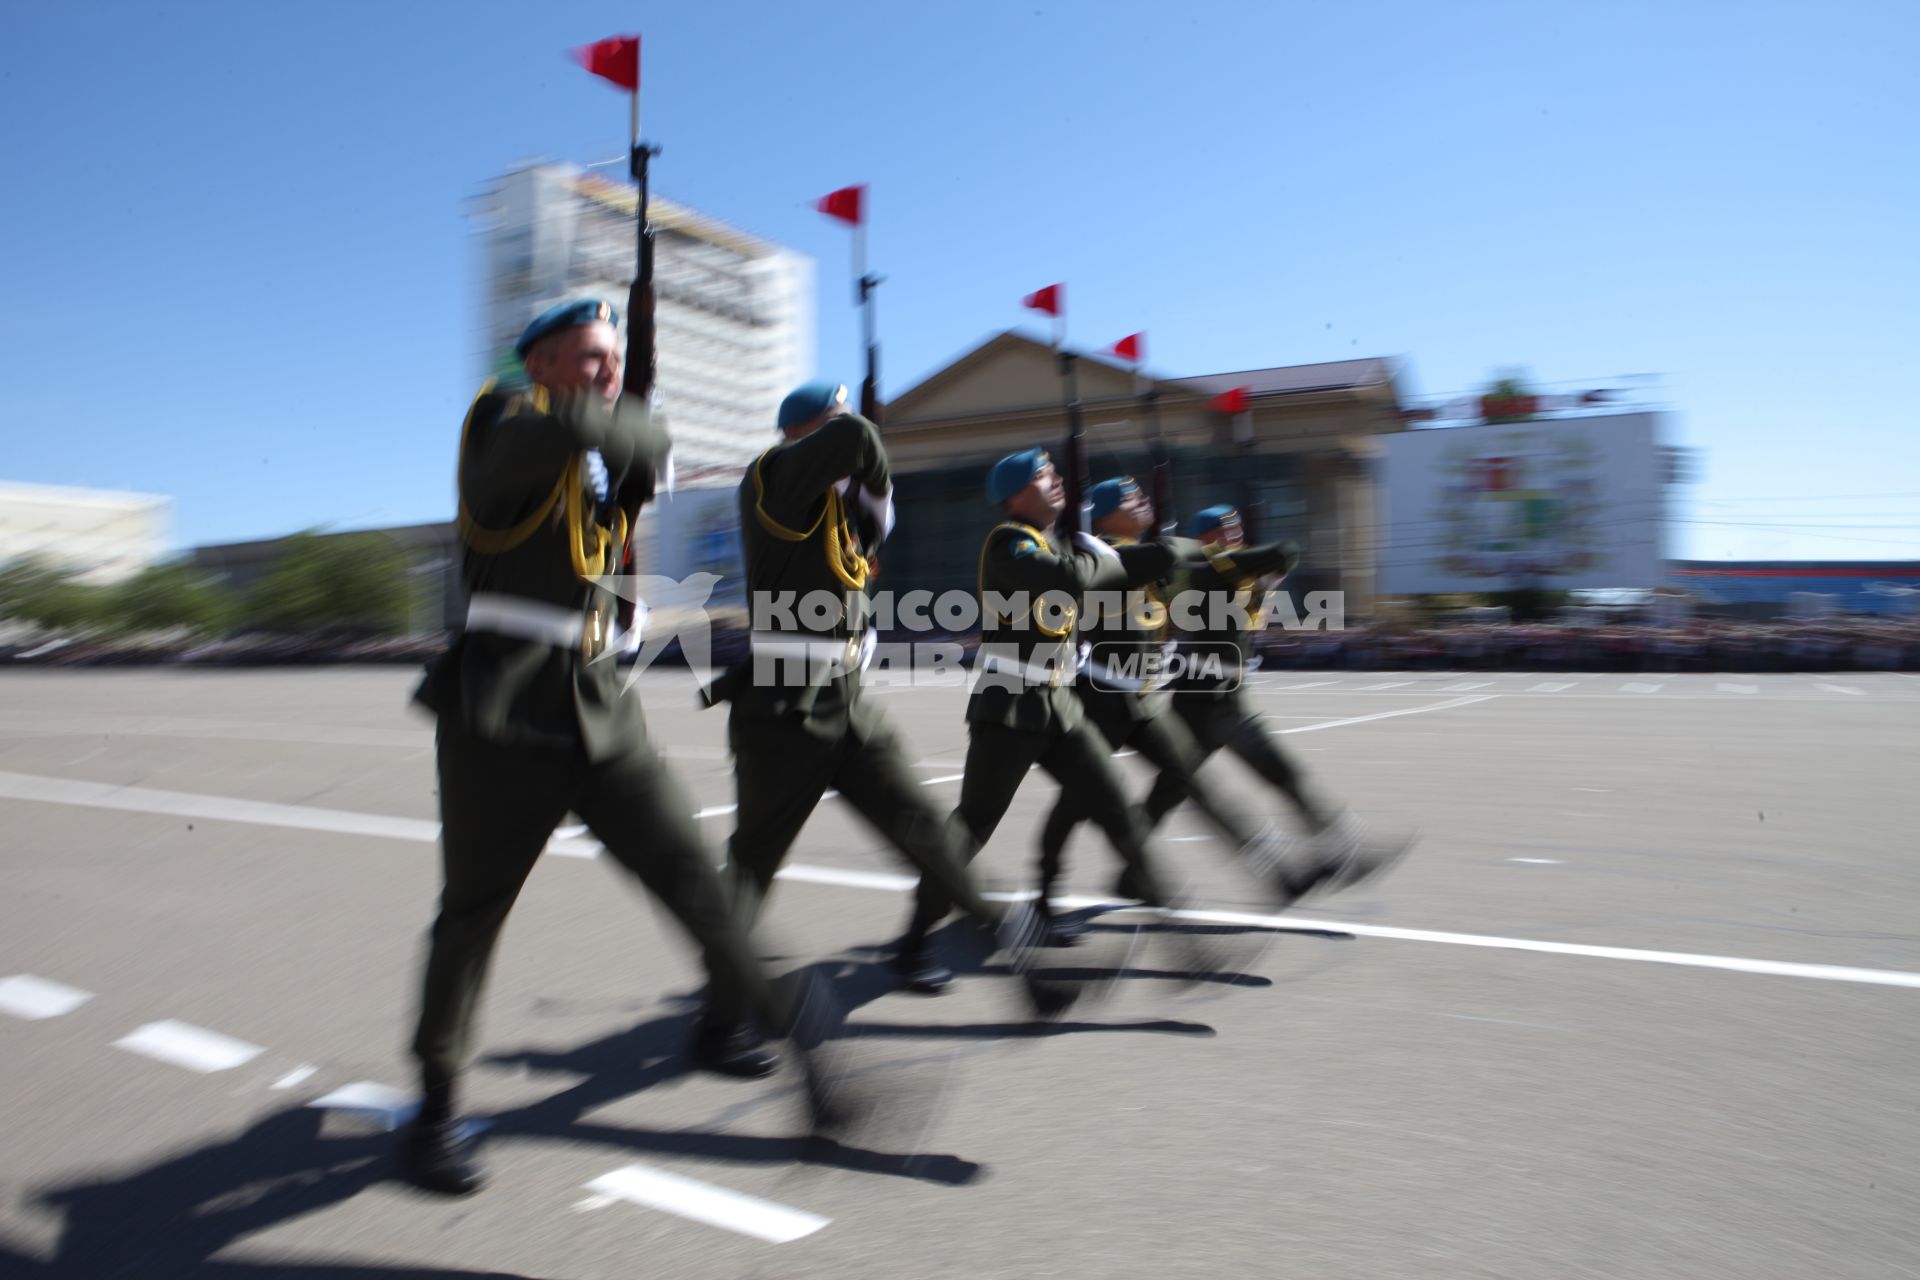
{"x":1113,"y":688}
{"x":1023,"y":710}
{"x":1227,"y":591}
{"x":798,"y":723}
{"x":533,"y":721}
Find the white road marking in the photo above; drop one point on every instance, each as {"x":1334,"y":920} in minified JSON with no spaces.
{"x":703,"y":1202}
{"x":218,"y":730}
{"x":183,"y":1045}
{"x":1464,"y":685}
{"x":1391,"y":684}
{"x":1542,"y":862}
{"x":298,"y":1075}
{"x":1295,"y":924}
{"x":1727,"y":687}
{"x":1601,"y":791}
{"x":1837,"y":688}
{"x":716,"y":810}
{"x":25,"y":996}
{"x":1551,"y":686}
{"x":1635,"y":686}
{"x":1186,"y":839}
{"x":1311,"y":684}
{"x":1385,"y":715}
{"x":385,"y":1105}
{"x":186,"y":804}
{"x":28,"y":787}
{"x":945,"y":777}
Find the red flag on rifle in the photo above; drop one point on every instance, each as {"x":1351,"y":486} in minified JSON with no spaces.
{"x":1234,"y":401}
{"x":1130,"y":348}
{"x":1052,"y":299}
{"x":615,"y":59}
{"x":844,"y":204}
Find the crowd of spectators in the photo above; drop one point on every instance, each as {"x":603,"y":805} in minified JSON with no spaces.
{"x":1831,"y":644}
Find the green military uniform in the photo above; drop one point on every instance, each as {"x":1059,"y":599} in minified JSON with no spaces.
{"x":1210,"y":700}
{"x":798,"y":722}
{"x":533,"y":719}
{"x":1024,"y":710}
{"x":1128,"y":716}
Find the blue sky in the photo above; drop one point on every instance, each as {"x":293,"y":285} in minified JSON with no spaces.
{"x":238,"y":267}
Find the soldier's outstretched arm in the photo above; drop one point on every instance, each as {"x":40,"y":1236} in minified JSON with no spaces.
{"x":1147,"y":562}
{"x":1025,"y":563}
{"x":514,"y":448}
{"x":1277,"y":559}
{"x":797,"y":473}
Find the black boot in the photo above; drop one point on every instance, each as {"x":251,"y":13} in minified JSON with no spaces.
{"x":731,"y":1048}
{"x":1021,"y":933}
{"x":438,"y":1153}
{"x":1055,"y":931}
{"x":918,"y":963}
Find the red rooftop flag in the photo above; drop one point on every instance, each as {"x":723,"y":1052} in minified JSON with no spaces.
{"x":1130,"y":348}
{"x":615,"y":59}
{"x":1052,"y":299}
{"x":846,"y":204}
{"x":1234,"y":401}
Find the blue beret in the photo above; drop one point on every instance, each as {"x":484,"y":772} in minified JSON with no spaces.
{"x":565,"y":316}
{"x":1013,"y":473}
{"x":1107,"y":496}
{"x":805,"y":403}
{"x":1205,"y":522}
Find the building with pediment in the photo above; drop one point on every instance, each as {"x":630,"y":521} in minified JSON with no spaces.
{"x":1306,"y":458}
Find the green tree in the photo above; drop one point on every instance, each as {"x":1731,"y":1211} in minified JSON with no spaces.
{"x":162,"y":597}
{"x":355,"y":582}
{"x":32,"y":590}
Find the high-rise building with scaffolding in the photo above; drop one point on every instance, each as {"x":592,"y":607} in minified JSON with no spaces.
{"x":733,"y":312}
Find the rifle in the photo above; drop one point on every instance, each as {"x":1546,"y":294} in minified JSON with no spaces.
{"x":1166,"y":521}
{"x":870,"y":385}
{"x":1076,"y":477}
{"x":637,"y":377}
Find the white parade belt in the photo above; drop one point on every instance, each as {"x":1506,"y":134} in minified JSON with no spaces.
{"x":562,"y":626}
{"x":839,"y":656}
{"x":1057,"y":673}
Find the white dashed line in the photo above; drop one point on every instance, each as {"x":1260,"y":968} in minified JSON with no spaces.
{"x":1635,"y":686}
{"x":181,"y":1044}
{"x":299,"y":1075}
{"x":381,"y":1103}
{"x":1463,"y":686}
{"x":1838,"y":688}
{"x":1384,"y":715}
{"x":1551,"y":686}
{"x":1538,"y":862}
{"x":703,"y":1202}
{"x":1391,"y":684}
{"x":25,"y":996}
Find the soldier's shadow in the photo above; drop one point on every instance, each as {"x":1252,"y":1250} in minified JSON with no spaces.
{"x":169,"y":1218}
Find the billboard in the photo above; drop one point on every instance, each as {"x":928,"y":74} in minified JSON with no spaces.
{"x":1569,"y":503}
{"x":697,"y":531}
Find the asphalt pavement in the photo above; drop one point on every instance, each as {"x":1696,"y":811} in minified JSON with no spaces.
{"x":1643,"y":1002}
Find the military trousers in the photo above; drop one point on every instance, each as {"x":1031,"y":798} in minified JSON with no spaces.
{"x":998,"y":758}
{"x":783,"y":766}
{"x":499,"y":805}
{"x":1163,"y":741}
{"x":1227,"y":722}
